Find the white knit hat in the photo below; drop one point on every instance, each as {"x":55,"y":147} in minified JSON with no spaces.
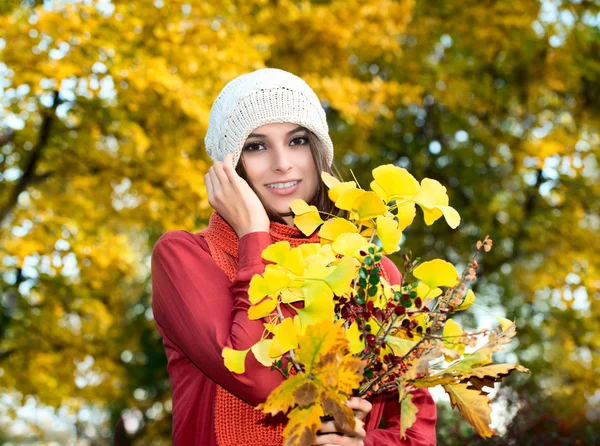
{"x":262,"y":97}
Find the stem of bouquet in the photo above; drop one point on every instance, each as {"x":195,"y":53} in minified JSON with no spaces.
{"x":443,"y":302}
{"x":291,"y":355}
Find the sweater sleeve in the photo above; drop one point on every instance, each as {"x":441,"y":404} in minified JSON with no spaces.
{"x":422,"y":432}
{"x":201,"y":311}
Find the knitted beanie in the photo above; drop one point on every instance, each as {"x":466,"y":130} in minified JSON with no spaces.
{"x":264,"y":96}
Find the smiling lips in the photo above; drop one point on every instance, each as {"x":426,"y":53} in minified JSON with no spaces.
{"x":286,"y":188}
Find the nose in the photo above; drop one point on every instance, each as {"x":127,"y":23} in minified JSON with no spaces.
{"x":281,"y":160}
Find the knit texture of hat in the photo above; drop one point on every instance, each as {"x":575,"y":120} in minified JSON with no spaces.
{"x":258,"y":98}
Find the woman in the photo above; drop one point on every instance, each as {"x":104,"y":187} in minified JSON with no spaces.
{"x":269,"y":140}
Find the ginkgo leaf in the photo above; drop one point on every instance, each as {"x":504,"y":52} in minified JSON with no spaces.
{"x":399,"y":346}
{"x":473,"y":406}
{"x":329,"y":180}
{"x":307,"y":217}
{"x":394,"y":183}
{"x":356,"y":345}
{"x":340,"y":279}
{"x":235,"y":359}
{"x":425,"y":292}
{"x":388,"y":233}
{"x":433,"y":199}
{"x":276,"y":252}
{"x":431,"y":193}
{"x":467,"y":302}
{"x":317,"y":309}
{"x":406,"y":213}
{"x":348,"y":243}
{"x":347,"y":198}
{"x":290,"y":295}
{"x":451,"y":335}
{"x":451,"y":215}
{"x":437,"y":273}
{"x":260,"y":350}
{"x":284,"y":338}
{"x":339,"y":189}
{"x":368,"y":205}
{"x":269,"y":284}
{"x":309,"y":249}
{"x":262,"y":309}
{"x":294,"y":262}
{"x":333,"y":227}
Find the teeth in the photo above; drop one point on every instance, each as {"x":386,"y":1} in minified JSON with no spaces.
{"x":282,"y":185}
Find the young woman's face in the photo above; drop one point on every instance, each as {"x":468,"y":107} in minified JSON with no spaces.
{"x":279,"y":164}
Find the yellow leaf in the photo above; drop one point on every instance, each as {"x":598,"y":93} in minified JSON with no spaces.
{"x":318,"y":310}
{"x":309,"y":249}
{"x":294,"y":262}
{"x":473,"y":406}
{"x":289,"y":295}
{"x":451,"y":335}
{"x":340,"y":279}
{"x":394,"y":183}
{"x":267,"y":285}
{"x":406,"y":213}
{"x":333,"y":227}
{"x":347,"y":198}
{"x":282,"y":397}
{"x":408,"y":410}
{"x":235,"y":359}
{"x":260,"y":350}
{"x":302,"y":426}
{"x":353,"y":334}
{"x":338,"y":189}
{"x":388,"y":233}
{"x":399,"y":346}
{"x":262,"y":309}
{"x":276,"y":252}
{"x":307,"y":217}
{"x":369,"y":205}
{"x":347,"y":244}
{"x":437,"y":273}
{"x":424,"y":292}
{"x":433,"y":199}
{"x":504,"y":323}
{"x":284,"y":338}
{"x":467,"y":302}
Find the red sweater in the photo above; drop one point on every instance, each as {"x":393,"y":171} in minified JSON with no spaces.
{"x":199,"y":311}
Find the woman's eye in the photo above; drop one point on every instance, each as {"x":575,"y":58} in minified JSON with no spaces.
{"x":302,"y":141}
{"x":254,"y":147}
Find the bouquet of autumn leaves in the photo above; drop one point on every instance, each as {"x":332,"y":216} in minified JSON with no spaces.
{"x":353,"y":333}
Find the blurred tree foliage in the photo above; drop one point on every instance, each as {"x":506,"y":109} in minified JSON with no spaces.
{"x":104,"y":107}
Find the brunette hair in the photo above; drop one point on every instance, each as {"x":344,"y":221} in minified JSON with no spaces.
{"x":321,"y":198}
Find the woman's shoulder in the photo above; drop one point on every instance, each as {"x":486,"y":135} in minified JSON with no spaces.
{"x":182,"y":238}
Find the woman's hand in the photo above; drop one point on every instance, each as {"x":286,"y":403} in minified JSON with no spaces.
{"x":330,"y":432}
{"x":231,"y":196}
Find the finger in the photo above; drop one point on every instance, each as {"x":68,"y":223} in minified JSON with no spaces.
{"x":330,"y":439}
{"x":218,"y":168}
{"x":229,"y":170}
{"x":209,"y":186}
{"x":328,"y":427}
{"x":361,"y":406}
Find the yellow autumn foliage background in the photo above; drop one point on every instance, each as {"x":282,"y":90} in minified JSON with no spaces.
{"x":103,"y":110}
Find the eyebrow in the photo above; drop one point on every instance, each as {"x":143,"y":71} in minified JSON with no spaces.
{"x":297,"y":129}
